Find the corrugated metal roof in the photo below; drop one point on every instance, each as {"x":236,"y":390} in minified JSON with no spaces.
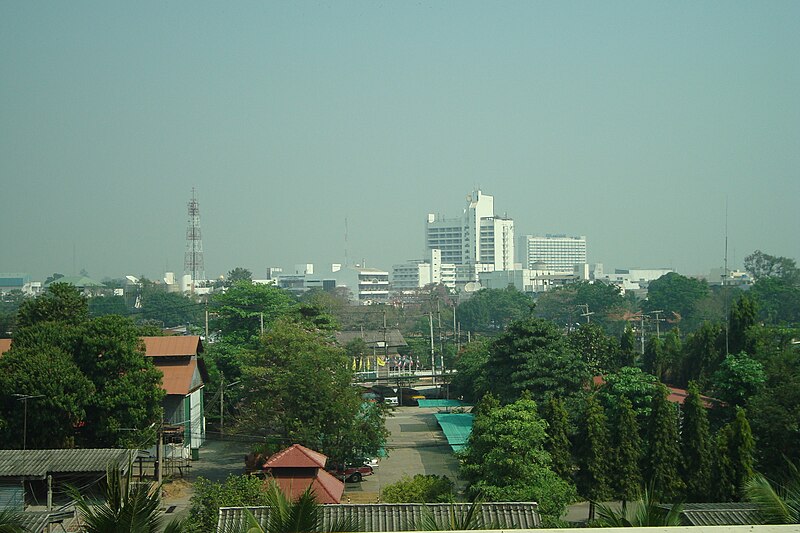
{"x":39,"y":463}
{"x":397,"y":516}
{"x":373,"y":338}
{"x":180,"y":376}
{"x":718,"y":514}
{"x":38,"y":521}
{"x":456,"y":427}
{"x":177,"y":346}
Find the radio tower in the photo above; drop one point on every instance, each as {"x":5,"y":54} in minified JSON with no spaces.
{"x":193,"y":258}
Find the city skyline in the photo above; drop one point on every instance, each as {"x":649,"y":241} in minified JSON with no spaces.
{"x":637,"y":125}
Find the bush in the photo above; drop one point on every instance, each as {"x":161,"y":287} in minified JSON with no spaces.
{"x":210,"y":496}
{"x":419,"y":489}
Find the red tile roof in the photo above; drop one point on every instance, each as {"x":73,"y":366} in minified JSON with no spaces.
{"x":296,"y":456}
{"x":326,"y":488}
{"x":178,"y":346}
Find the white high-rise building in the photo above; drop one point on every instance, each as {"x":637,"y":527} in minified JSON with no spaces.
{"x":416,"y":274}
{"x":554,"y":252}
{"x":478,"y":241}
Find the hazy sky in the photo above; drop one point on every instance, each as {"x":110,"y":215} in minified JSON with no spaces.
{"x":628,"y":122}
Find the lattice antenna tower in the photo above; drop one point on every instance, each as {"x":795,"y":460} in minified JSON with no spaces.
{"x":193,"y":258}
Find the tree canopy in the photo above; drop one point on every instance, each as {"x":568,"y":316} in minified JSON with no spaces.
{"x":491,"y":310}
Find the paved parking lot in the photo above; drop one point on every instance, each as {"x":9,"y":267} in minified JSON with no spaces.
{"x":416,"y":445}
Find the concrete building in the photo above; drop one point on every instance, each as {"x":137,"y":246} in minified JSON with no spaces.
{"x":19,"y":282}
{"x":418,"y":273}
{"x":555,"y":252}
{"x":532,"y":280}
{"x":630,"y":279}
{"x":478,"y":241}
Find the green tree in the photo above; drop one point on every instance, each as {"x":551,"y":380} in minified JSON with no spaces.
{"x":672,"y":351}
{"x":209,"y":496}
{"x":599,"y":351}
{"x":628,"y":349}
{"x":299,"y":391}
{"x":634,"y":385}
{"x":532,"y":355}
{"x":741,"y":448}
{"x":696,"y":447}
{"x":110,"y":353}
{"x":563,"y":305}
{"x":774,"y":412}
{"x":169,"y":309}
{"x":58,"y":392}
{"x":491,"y":310}
{"x":471,"y":367}
{"x":661,"y":465}
{"x":108,"y":305}
{"x":557,"y":443}
{"x":761,"y":266}
{"x":722,"y":474}
{"x":419,"y":489}
{"x":593,"y":444}
{"x":778,"y":300}
{"x":625,"y":471}
{"x":240,"y":311}
{"x":238,"y":274}
{"x":738,"y":378}
{"x":742,"y":316}
{"x":703,"y":351}
{"x":505,"y":459}
{"x":673,"y":293}
{"x":61,"y":302}
{"x":654,"y":359}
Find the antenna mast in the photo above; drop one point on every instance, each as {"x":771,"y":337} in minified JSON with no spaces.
{"x":193,"y":258}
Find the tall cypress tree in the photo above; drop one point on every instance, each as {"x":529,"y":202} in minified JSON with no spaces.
{"x":557,"y":443}
{"x":663,"y":455}
{"x":626,"y":476}
{"x":695,"y":447}
{"x":722,"y":475}
{"x":741,"y":448}
{"x":593,"y":445}
{"x":653,"y":360}
{"x":743,"y":314}
{"x":627,"y":347}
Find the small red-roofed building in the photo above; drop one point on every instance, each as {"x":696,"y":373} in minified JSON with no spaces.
{"x":297,"y":468}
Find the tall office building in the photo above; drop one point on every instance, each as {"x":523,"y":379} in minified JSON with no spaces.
{"x":478,"y":240}
{"x":556,"y":252}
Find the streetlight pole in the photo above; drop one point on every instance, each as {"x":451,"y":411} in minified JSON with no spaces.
{"x":24,"y":399}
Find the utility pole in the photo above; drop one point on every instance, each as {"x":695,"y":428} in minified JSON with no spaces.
{"x":261,"y":319}
{"x":657,"y":320}
{"x":586,"y":312}
{"x":221,"y":404}
{"x":641,"y":331}
{"x":206,"y":318}
{"x":433,"y":353}
{"x":24,"y":399}
{"x":159,"y":457}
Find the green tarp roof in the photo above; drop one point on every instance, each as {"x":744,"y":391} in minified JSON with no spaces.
{"x":456,"y":428}
{"x":443,"y":403}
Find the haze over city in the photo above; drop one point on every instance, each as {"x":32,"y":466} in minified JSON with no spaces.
{"x":634,"y":124}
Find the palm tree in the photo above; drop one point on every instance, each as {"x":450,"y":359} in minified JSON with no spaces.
{"x":642,"y":513}
{"x":11,"y":522}
{"x":127,"y":508}
{"x":776,"y":504}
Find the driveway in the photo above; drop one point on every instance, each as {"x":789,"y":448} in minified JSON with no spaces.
{"x":416,"y":445}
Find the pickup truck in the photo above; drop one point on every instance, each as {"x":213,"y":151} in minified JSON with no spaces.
{"x":351,"y":473}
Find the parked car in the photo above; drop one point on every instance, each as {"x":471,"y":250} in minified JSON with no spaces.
{"x":410,"y":397}
{"x":386,"y":394}
{"x":351,"y":473}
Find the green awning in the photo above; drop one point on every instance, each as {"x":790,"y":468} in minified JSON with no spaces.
{"x":456,"y":428}
{"x":443,"y":403}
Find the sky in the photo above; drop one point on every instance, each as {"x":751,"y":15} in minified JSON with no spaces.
{"x":639,"y":124}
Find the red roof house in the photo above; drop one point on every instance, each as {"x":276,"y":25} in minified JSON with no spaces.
{"x":297,"y":468}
